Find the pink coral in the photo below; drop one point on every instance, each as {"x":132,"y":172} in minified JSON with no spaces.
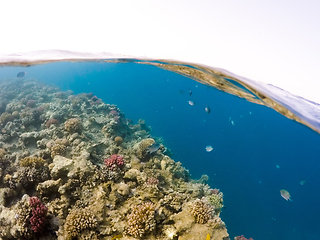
{"x":242,"y":238}
{"x":114,"y":161}
{"x":152,"y":181}
{"x":38,"y":214}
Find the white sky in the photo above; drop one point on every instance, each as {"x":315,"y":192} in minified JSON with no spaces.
{"x":273,"y":41}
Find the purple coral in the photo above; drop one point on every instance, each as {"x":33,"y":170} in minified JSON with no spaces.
{"x":114,"y":161}
{"x":38,"y":214}
{"x":242,"y":238}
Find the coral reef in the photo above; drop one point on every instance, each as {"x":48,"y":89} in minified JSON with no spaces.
{"x":201,"y":211}
{"x":79,"y":221}
{"x":242,"y":238}
{"x":92,"y":174}
{"x":141,"y":220}
{"x":73,"y":125}
{"x":115,"y":161}
{"x":38,"y":215}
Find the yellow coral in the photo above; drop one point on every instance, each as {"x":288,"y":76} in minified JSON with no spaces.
{"x":79,"y":220}
{"x":141,"y":220}
{"x":58,"y":149}
{"x":73,"y":125}
{"x":201,"y":211}
{"x":35,"y":162}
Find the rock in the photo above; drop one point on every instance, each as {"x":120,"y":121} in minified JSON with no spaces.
{"x":123,"y":189}
{"x":61,"y":166}
{"x":48,"y":187}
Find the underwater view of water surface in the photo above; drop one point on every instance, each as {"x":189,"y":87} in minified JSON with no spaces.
{"x":130,"y":150}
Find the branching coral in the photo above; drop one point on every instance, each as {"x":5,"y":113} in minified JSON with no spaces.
{"x":35,"y":162}
{"x":38,"y":215}
{"x":115,"y":161}
{"x":79,"y":220}
{"x":73,"y":125}
{"x":216,"y":200}
{"x":141,"y":220}
{"x":201,"y":211}
{"x":58,"y":149}
{"x":33,"y":170}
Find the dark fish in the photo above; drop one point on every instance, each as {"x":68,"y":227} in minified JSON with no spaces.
{"x":21,"y":74}
{"x":190,"y":92}
{"x":153,"y":148}
{"x":207,"y":109}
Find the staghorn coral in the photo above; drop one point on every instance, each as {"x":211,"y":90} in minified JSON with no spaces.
{"x":141,"y":220}
{"x":73,"y":125}
{"x":79,"y":220}
{"x":201,"y":211}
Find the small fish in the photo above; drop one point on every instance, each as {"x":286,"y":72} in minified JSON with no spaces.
{"x":153,"y":148}
{"x":209,"y":148}
{"x":21,"y":74}
{"x":277,"y":166}
{"x":302,"y":182}
{"x":285,"y":194}
{"x":119,"y":236}
{"x":208,"y":237}
{"x":191,"y":103}
{"x":207,"y":109}
{"x":190,"y":92}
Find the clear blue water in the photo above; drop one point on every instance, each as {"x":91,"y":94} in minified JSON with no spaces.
{"x":252,"y":159}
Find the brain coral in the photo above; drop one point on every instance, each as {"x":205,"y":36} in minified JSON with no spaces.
{"x":79,"y":220}
{"x":141,"y":220}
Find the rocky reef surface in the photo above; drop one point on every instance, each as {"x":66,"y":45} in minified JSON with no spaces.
{"x":73,"y":167}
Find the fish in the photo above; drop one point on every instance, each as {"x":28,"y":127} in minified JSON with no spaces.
{"x":207,"y":109}
{"x":302,"y":182}
{"x":285,"y":194}
{"x":191,"y":103}
{"x":119,"y":236}
{"x":209,"y":148}
{"x":190,"y":92}
{"x":153,"y":148}
{"x":208,"y":237}
{"x":21,"y":74}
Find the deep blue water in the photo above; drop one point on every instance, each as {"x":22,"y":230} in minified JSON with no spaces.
{"x":245,"y":156}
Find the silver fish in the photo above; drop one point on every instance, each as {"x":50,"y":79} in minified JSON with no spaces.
{"x":153,"y":148}
{"x":285,"y":194}
{"x":191,"y":103}
{"x":207,"y":109}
